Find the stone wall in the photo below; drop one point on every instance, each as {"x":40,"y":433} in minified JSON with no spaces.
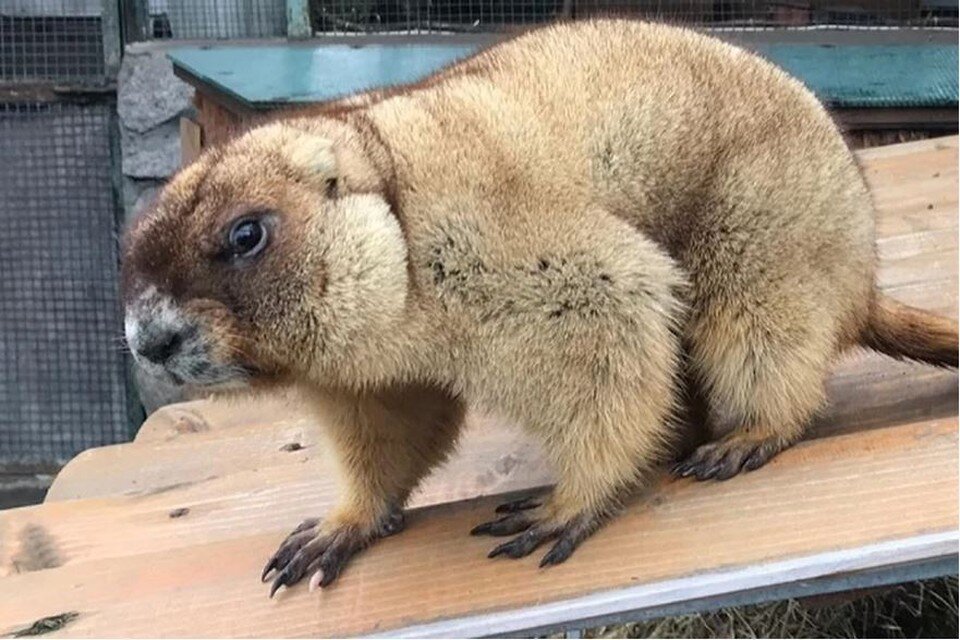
{"x":150,"y":102}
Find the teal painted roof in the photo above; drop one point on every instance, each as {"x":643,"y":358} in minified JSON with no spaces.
{"x":873,"y":76}
{"x":842,"y":76}
{"x":266,"y":76}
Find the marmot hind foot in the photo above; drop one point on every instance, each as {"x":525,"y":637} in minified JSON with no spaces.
{"x":737,"y":451}
{"x":533,"y":519}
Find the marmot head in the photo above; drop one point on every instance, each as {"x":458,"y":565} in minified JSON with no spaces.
{"x":272,"y":256}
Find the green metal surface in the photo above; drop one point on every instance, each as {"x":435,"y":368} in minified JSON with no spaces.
{"x":844,"y":76}
{"x":892,"y":76}
{"x":266,"y":76}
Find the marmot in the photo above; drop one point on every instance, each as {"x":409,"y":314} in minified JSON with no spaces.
{"x":559,"y":229}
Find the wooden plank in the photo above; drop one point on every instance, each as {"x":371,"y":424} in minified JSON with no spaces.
{"x":144,"y":469}
{"x":946,"y":144}
{"x":917,"y":294}
{"x":912,"y":218}
{"x":882,"y":393}
{"x":254,"y":499}
{"x":218,"y":122}
{"x":920,"y":194}
{"x":887,"y":563}
{"x":929,"y":242}
{"x":914,"y":270}
{"x":894,"y":484}
{"x":219,"y":415}
{"x":250,"y":501}
{"x":914,"y":185}
{"x":191,"y":141}
{"x":254,"y":496}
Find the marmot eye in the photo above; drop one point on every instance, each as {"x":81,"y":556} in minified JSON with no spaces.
{"x":247,"y":238}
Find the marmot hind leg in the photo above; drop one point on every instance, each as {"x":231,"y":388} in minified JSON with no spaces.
{"x":597,"y":469}
{"x":599,"y":385}
{"x":764,"y":381}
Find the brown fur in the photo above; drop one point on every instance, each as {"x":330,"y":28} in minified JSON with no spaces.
{"x":904,"y":332}
{"x":558,"y":231}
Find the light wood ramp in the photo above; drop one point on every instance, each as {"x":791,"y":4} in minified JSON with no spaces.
{"x":165,"y":536}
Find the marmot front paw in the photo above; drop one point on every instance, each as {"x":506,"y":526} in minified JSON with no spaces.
{"x":324,"y":548}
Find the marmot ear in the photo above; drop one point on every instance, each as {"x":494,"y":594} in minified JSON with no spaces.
{"x":314,"y":156}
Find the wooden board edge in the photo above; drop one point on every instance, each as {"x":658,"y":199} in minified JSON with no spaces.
{"x":191,"y":140}
{"x":597,"y":607}
{"x":842,"y":584}
{"x":928,"y":145}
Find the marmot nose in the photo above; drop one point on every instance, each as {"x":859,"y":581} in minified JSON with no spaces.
{"x":159,"y":346}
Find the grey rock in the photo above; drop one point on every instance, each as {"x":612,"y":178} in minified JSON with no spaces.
{"x":151,"y":154}
{"x":148,"y":94}
{"x":146,"y":198}
{"x":137,"y":195}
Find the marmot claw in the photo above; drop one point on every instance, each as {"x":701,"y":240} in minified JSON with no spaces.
{"x":323,"y":549}
{"x":536,"y":530}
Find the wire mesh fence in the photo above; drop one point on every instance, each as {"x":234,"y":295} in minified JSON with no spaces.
{"x":225,"y":19}
{"x":215,"y":19}
{"x":59,"y":40}
{"x":62,"y":375}
{"x":362,"y":16}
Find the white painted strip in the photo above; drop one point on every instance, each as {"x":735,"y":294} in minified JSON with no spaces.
{"x":667,"y":592}
{"x":827,"y":27}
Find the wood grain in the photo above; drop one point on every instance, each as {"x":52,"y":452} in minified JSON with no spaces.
{"x":828,"y":494}
{"x":145,"y":467}
{"x":190,"y":141}
{"x":205,"y":416}
{"x":250,"y":500}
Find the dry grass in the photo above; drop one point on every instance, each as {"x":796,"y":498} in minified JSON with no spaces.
{"x":925,"y":609}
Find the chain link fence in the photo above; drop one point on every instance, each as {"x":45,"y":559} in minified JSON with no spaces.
{"x":205,"y":19}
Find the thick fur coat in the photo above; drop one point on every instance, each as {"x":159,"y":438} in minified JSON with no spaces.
{"x":565,"y":230}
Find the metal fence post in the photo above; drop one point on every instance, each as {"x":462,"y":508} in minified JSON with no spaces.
{"x":134,"y":19}
{"x":298,"y":19}
{"x":112,"y":45}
